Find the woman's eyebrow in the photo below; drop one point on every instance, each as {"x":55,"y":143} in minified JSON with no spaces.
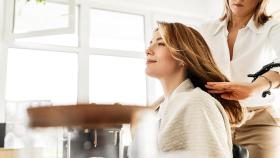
{"x":158,"y":39}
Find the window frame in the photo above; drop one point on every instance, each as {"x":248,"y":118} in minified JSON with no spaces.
{"x":10,"y":21}
{"x":88,"y":51}
{"x":83,"y":50}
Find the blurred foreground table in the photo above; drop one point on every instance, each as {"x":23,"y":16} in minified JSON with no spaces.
{"x":83,"y":115}
{"x":97,"y":126}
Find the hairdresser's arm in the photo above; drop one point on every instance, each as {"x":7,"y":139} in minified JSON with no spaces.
{"x":240,"y":91}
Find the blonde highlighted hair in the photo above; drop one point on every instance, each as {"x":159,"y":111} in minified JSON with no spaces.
{"x":260,"y":15}
{"x":188,"y":46}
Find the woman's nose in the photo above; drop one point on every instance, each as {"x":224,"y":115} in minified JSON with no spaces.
{"x":149,"y":51}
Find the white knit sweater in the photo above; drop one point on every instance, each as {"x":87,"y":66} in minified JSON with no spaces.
{"x":193,"y":121}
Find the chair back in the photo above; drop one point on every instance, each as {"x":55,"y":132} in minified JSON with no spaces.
{"x":239,"y":151}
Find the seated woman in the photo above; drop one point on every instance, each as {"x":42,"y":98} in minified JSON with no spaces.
{"x":191,"y":119}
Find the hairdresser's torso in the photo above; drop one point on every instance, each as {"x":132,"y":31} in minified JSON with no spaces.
{"x":253,"y":48}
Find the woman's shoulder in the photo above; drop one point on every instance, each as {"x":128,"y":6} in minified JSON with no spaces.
{"x":273,"y":22}
{"x":205,"y":97}
{"x":272,"y":25}
{"x":195,"y":98}
{"x":271,"y":29}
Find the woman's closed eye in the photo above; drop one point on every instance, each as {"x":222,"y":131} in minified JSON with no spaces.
{"x":160,"y":44}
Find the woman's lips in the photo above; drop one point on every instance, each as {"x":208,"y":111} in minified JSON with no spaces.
{"x":238,"y":5}
{"x":150,"y":61}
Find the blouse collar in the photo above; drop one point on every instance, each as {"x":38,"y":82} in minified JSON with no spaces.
{"x":251,"y":25}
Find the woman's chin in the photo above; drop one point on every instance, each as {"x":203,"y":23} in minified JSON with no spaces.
{"x":150,"y":74}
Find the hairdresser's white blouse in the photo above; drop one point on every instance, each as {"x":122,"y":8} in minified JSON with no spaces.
{"x":192,"y":121}
{"x":254,"y":47}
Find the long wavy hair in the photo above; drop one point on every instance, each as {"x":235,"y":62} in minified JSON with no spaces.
{"x":260,"y":15}
{"x":188,"y":46}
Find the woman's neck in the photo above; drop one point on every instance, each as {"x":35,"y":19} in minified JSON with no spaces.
{"x":238,"y":22}
{"x":169,"y":84}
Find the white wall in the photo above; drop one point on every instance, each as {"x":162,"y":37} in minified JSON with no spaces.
{"x":197,"y":8}
{"x":2,"y":64}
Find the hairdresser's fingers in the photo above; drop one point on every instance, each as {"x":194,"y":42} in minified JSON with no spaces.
{"x":230,"y":96}
{"x":219,"y":83}
{"x":214,"y":91}
{"x":219,"y":87}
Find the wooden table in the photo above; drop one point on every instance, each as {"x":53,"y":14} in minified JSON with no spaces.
{"x":83,"y":115}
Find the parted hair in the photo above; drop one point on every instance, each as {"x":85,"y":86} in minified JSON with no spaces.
{"x":188,"y":46}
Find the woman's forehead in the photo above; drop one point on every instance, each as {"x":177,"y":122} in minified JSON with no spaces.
{"x":156,"y":34}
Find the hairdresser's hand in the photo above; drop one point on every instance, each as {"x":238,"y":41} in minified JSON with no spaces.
{"x":231,"y":91}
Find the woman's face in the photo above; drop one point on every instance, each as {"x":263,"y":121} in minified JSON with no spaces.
{"x":159,"y":62}
{"x":243,"y":7}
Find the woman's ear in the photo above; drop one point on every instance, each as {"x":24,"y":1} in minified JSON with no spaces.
{"x":182,"y":64}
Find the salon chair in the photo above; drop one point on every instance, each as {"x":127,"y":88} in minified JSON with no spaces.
{"x":239,"y":151}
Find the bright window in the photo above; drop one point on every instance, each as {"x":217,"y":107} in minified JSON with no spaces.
{"x":60,"y":39}
{"x":114,"y":30}
{"x":32,"y":16}
{"x":41,"y":75}
{"x":117,"y":79}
